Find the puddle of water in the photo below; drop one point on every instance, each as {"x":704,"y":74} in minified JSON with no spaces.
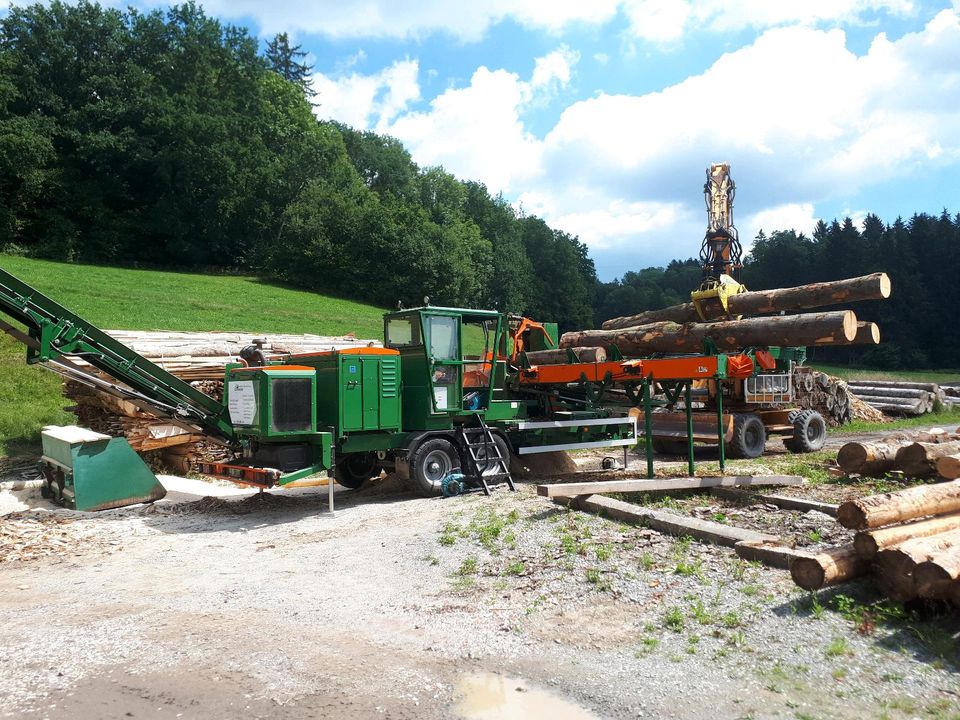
{"x":485,"y":696}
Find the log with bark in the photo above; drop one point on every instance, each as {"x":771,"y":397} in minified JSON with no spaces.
{"x":934,"y":577}
{"x":894,"y":567}
{"x":948,"y":466}
{"x":920,"y":458}
{"x":870,"y":458}
{"x":868,"y":333}
{"x":561,"y":356}
{"x":896,"y":507}
{"x":869,"y":542}
{"x":832,"y":328}
{"x":833,"y":566}
{"x":814,"y":295}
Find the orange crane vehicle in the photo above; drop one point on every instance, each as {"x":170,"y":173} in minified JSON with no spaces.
{"x":761,"y":404}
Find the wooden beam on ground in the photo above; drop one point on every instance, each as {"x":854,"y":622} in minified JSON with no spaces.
{"x":784,"y":502}
{"x":665,"y":522}
{"x":773,"y":553}
{"x":657,"y":484}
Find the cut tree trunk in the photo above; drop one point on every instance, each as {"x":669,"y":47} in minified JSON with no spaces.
{"x":868,"y":333}
{"x":929,"y":387}
{"x":866,"y":391}
{"x":561,"y":357}
{"x":920,"y":458}
{"x":934,"y":577}
{"x":869,"y":542}
{"x":896,"y":507}
{"x":834,"y":566}
{"x":814,"y":295}
{"x":894,"y":567}
{"x":948,"y":466}
{"x":869,"y":458}
{"x":833,"y":328}
{"x":896,"y":406}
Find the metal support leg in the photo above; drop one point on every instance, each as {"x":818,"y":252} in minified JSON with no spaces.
{"x":720,"y":428}
{"x":626,"y":457}
{"x":648,"y":423}
{"x":687,"y":403}
{"x":330,"y":482}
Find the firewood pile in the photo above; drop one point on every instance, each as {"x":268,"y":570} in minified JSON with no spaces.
{"x":199,"y":358}
{"x":831,"y":397}
{"x":748,"y":320}
{"x":908,"y":540}
{"x":914,"y":454}
{"x":901,"y":398}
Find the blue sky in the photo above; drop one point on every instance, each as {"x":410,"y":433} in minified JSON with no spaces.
{"x":602,"y":116}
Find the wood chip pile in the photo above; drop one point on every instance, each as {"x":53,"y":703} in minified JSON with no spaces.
{"x":199,"y":358}
{"x":908,"y":541}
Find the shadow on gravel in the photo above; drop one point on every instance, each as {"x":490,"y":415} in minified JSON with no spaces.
{"x":927,"y":631}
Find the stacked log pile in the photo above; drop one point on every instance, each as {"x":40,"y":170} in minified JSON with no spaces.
{"x":831,"y":397}
{"x":899,"y":398}
{"x":686,"y":328}
{"x":199,"y":358}
{"x":915,"y":454}
{"x":908,"y":540}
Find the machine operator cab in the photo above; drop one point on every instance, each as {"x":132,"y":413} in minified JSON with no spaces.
{"x":453,"y":359}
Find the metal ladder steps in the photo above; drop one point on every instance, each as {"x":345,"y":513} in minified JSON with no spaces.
{"x":480,"y":438}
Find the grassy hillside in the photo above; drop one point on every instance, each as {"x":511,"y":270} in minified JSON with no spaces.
{"x":931,"y":376}
{"x":113,"y":298}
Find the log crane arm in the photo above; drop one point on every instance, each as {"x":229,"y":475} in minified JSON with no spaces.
{"x":56,"y":338}
{"x":721,"y":253}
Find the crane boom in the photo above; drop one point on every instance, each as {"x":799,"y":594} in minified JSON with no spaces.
{"x":56,"y":337}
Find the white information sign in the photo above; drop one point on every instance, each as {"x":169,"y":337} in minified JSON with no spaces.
{"x":440,"y":396}
{"x":242,"y":402}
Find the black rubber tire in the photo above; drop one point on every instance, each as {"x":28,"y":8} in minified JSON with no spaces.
{"x":355,"y":469}
{"x":809,"y":432}
{"x":504,"y":452}
{"x":749,"y":437}
{"x":430,"y":462}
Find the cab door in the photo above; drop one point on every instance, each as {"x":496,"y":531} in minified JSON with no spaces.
{"x":444,"y":360}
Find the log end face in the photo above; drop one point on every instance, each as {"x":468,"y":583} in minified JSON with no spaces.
{"x":849,"y":325}
{"x":851,"y":457}
{"x":807,"y":573}
{"x":851,"y":516}
{"x":884,"y":283}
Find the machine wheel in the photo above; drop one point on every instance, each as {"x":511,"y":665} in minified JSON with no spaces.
{"x":355,"y":469}
{"x":809,"y":432}
{"x":749,"y":437}
{"x":491,"y":468}
{"x":430,"y":463}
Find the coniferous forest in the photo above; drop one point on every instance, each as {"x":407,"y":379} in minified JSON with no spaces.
{"x":169,"y":139}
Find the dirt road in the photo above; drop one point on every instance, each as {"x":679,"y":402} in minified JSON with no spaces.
{"x":403,"y":607}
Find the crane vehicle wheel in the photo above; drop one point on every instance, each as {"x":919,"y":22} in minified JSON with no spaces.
{"x":355,"y":469}
{"x":430,"y":463}
{"x":491,"y":467}
{"x":809,"y":432}
{"x":749,"y":437}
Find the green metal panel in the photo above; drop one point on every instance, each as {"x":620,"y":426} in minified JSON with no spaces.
{"x":99,"y":474}
{"x":258,"y":417}
{"x":351,"y":393}
{"x":389,"y":392}
{"x":370,"y":372}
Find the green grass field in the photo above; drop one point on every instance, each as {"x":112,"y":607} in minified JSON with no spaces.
{"x":114,"y":298}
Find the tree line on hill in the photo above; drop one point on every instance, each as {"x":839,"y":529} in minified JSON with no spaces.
{"x":921,"y":256}
{"x":167,"y":139}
